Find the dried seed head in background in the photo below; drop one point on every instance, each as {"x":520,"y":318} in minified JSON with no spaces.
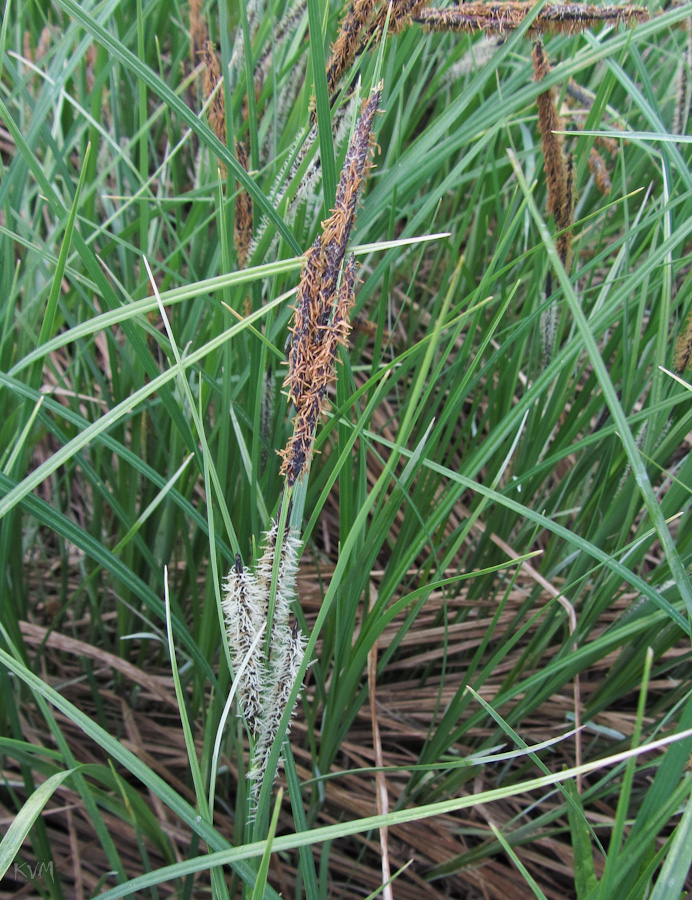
{"x":401,"y":14}
{"x":598,"y":167}
{"x":576,"y":94}
{"x":198,"y":32}
{"x":321,"y":320}
{"x":216,"y":112}
{"x":558,"y":170}
{"x":242,"y":228}
{"x":363,"y":26}
{"x":683,"y":347}
{"x":554,"y":18}
{"x":344,"y":48}
{"x":286,"y":26}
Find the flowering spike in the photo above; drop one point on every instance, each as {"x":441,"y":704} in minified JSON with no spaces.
{"x":267,"y":680}
{"x":683,"y":347}
{"x":345,"y":46}
{"x":554,"y":18}
{"x":321,"y":320}
{"x":558,"y":171}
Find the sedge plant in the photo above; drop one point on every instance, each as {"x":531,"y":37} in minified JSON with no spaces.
{"x":464,"y":583}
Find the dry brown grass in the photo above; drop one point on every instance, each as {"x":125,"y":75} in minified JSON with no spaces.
{"x":138,"y":705}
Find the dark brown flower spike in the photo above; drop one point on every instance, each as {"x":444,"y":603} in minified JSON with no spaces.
{"x":321,"y":315}
{"x":216,"y":112}
{"x":579,"y":95}
{"x":554,"y":18}
{"x":361,"y":25}
{"x":242,"y":229}
{"x":198,"y":31}
{"x":403,"y":13}
{"x":344,"y":48}
{"x":683,"y":348}
{"x":558,"y":170}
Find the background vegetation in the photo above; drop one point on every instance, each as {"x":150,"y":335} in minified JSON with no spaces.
{"x":500,"y":500}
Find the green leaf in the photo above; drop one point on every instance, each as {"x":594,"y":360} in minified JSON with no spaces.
{"x":584,"y":872}
{"x":25,"y":818}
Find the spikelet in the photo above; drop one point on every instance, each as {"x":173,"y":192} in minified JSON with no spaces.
{"x":361,"y":27}
{"x":478,"y":54}
{"x":598,"y":168}
{"x":307,"y":190}
{"x":216,"y":113}
{"x":213,"y":91}
{"x":287,"y":648}
{"x":284,"y":104}
{"x":286,"y":26}
{"x":683,"y":87}
{"x":266,"y":412}
{"x":344,"y":48}
{"x":242,"y":228}
{"x":288,"y":651}
{"x":554,"y":18}
{"x":245,"y":608}
{"x":27,"y":49}
{"x":198,"y":32}
{"x":401,"y":14}
{"x":683,"y":347}
{"x":558,"y":170}
{"x":363,"y":325}
{"x":563,"y":241}
{"x":321,"y":313}
{"x":578,"y":94}
{"x":267,"y":679}
{"x":44,"y":42}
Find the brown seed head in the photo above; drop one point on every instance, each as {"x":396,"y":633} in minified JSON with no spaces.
{"x":598,"y":168}
{"x":344,"y":48}
{"x":198,"y":31}
{"x":321,"y":313}
{"x":558,"y":172}
{"x":683,"y":348}
{"x":554,"y":18}
{"x":216,"y":112}
{"x":242,"y":229}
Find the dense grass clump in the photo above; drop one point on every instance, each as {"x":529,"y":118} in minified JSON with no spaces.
{"x":345,"y":449}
